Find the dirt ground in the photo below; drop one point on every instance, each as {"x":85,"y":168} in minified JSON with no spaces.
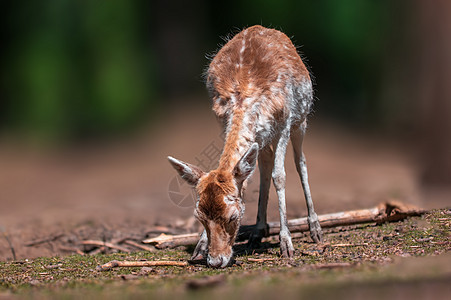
{"x":406,"y":259}
{"x":126,"y":187}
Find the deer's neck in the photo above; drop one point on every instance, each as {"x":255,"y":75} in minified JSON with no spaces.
{"x":240,"y":134}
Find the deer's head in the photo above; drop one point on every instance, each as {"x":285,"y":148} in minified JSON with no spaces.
{"x":219,"y":205}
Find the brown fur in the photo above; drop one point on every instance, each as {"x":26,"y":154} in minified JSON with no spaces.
{"x":251,"y":71}
{"x":259,"y":65}
{"x":227,"y":161}
{"x":212,"y":190}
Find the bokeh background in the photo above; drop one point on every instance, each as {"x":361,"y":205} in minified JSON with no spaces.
{"x":95,"y":94}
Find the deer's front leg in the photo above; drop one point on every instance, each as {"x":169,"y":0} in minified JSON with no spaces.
{"x":278,"y":176}
{"x":201,"y":250}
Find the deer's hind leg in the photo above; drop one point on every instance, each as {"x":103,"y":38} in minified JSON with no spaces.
{"x":279,"y":176}
{"x":265,"y":165}
{"x":297,"y":136}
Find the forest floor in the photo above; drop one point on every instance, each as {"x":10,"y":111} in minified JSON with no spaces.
{"x":124,"y":189}
{"x":408,"y":259}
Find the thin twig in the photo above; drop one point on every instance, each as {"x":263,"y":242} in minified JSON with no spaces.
{"x":97,"y":251}
{"x":140,"y":246}
{"x":348,"y":245}
{"x":70,"y":249}
{"x":11,"y":247}
{"x":44,"y":240}
{"x":105,"y":244}
{"x":116,"y":263}
{"x":250,"y":259}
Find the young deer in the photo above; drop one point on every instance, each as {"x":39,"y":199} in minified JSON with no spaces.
{"x":262,"y":95}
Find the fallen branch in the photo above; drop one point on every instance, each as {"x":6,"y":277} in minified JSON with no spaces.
{"x":116,"y":263}
{"x":171,"y":241}
{"x":105,"y":244}
{"x":385,"y":212}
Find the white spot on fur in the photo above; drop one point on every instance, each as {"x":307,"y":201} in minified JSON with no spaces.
{"x":243,"y":47}
{"x":233,"y":100}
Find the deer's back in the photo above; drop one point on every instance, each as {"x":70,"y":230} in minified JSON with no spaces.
{"x":259,"y":69}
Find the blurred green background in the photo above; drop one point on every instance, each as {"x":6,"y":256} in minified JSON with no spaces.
{"x":76,"y":69}
{"x":73,"y":70}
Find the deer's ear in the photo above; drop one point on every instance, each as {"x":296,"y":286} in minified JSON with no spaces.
{"x":246,"y":165}
{"x":190,"y":173}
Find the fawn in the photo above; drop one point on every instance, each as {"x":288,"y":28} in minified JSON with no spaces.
{"x":262,"y":94}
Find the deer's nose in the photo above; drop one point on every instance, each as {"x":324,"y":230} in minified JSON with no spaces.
{"x":215,"y":262}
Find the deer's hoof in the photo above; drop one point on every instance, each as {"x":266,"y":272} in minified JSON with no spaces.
{"x":286,"y":246}
{"x":315,"y":229}
{"x":201,"y":250}
{"x":255,"y":240}
{"x":199,"y":255}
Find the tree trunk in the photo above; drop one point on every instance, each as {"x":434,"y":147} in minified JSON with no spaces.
{"x":434,"y":90}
